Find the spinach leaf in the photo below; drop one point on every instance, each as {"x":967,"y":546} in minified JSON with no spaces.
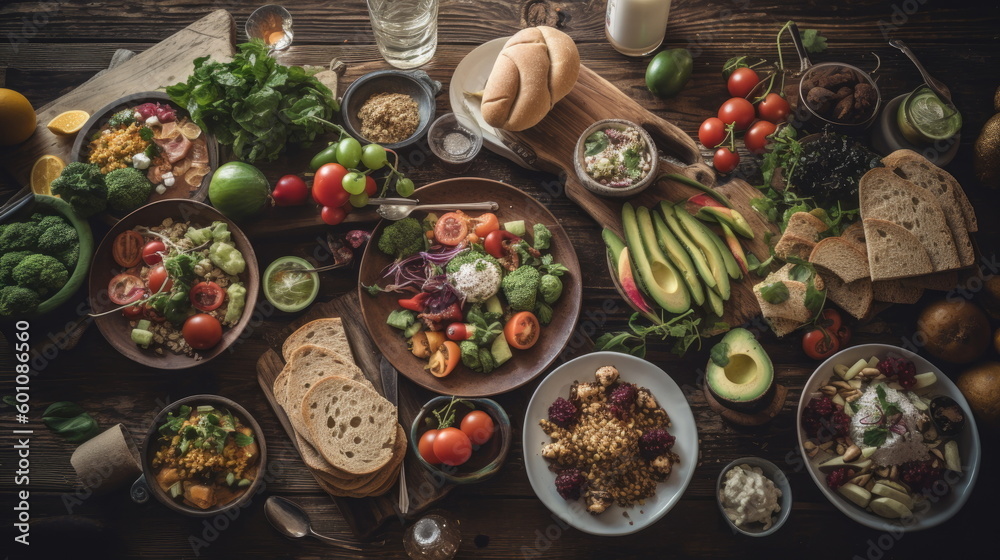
{"x":596,"y":143}
{"x":720,"y":354}
{"x":775,"y":292}
{"x":70,"y":421}
{"x":875,"y":437}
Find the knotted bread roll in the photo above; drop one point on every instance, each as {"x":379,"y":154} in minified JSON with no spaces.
{"x":537,"y":67}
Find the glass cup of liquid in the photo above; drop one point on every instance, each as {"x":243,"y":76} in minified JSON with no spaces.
{"x":405,"y":30}
{"x":271,"y":24}
{"x":456,"y":140}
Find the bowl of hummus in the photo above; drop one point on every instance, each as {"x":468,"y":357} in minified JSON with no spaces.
{"x":615,"y":158}
{"x":754,"y":496}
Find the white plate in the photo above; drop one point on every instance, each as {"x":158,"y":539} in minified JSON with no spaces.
{"x":471,"y":75}
{"x":968,"y":442}
{"x":667,"y":394}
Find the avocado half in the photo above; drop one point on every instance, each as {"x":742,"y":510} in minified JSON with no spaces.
{"x":746,"y":381}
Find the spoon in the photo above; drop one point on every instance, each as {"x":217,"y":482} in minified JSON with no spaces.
{"x":936,"y":86}
{"x":407,"y":201}
{"x":398,"y":212}
{"x":290,"y":520}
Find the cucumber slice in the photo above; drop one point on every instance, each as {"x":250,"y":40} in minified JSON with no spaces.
{"x":890,"y":492}
{"x":889,"y":508}
{"x":142,"y":337}
{"x":855,"y":493}
{"x":516,"y":227}
{"x":500,"y":351}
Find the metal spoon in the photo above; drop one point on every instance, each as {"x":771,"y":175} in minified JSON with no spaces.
{"x":407,"y":201}
{"x":398,"y":211}
{"x":936,"y":86}
{"x":290,"y":520}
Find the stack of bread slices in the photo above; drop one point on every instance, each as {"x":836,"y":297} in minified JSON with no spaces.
{"x":914,"y":234}
{"x":346,"y":432}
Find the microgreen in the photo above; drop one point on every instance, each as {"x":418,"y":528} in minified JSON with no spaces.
{"x":683,"y":329}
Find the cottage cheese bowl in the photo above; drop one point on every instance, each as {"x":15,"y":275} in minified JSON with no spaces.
{"x":754,"y":496}
{"x":615,"y":158}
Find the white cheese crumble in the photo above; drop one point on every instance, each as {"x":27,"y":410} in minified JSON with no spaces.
{"x":140,"y":161}
{"x":168,"y":179}
{"x":748,"y":496}
{"x":897,"y":448}
{"x":152,"y":121}
{"x":161,"y":188}
{"x":477,"y":281}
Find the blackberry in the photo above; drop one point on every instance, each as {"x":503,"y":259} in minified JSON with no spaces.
{"x":562,"y":412}
{"x":569,"y":483}
{"x":900,"y":368}
{"x":838,"y":478}
{"x":623,"y":395}
{"x":920,"y":475}
{"x":618,"y":412}
{"x":822,"y":406}
{"x":654,"y":443}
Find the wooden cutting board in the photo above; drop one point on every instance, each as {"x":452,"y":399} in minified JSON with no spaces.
{"x":550,"y":145}
{"x":365,"y":516}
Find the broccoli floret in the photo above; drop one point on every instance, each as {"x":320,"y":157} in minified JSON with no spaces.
{"x":542,"y":237}
{"x":470,"y":256}
{"x":82,"y":185}
{"x":19,"y":236}
{"x":128,"y":189}
{"x":470,"y":355}
{"x":402,"y":239}
{"x":551,"y":288}
{"x":521,"y":288}
{"x":69,"y":256}
{"x":7,"y":263}
{"x":57,"y":237}
{"x":41,"y":273}
{"x":124,"y":117}
{"x":17,"y":300}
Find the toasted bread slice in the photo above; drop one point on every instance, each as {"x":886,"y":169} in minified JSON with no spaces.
{"x":793,"y":245}
{"x":884,"y":195}
{"x":896,"y":291}
{"x":326,"y":333}
{"x":840,"y":258}
{"x":918,"y":169}
{"x":308,"y":365}
{"x":853,"y":297}
{"x":806,"y":226}
{"x":894,"y":252}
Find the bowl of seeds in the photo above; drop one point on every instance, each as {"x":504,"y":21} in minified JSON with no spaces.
{"x":390,"y":107}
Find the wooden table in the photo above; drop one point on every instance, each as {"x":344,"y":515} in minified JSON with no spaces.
{"x":55,"y":46}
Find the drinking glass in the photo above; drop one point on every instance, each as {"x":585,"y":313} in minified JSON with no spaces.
{"x":405,"y":30}
{"x":455,"y":139}
{"x":273,"y":25}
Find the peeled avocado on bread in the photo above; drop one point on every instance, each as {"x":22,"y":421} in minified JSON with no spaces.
{"x":537,"y":67}
{"x":746,"y":380}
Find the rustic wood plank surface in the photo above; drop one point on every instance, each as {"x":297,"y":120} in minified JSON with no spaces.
{"x":50,"y":48}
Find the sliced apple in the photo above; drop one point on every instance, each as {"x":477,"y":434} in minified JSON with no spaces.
{"x":890,"y":492}
{"x":889,"y":508}
{"x":924,"y":379}
{"x":855,"y":493}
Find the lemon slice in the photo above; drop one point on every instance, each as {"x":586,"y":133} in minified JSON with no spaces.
{"x":69,"y":122}
{"x":43,"y":172}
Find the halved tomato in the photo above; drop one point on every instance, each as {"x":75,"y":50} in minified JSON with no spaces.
{"x":444,"y":360}
{"x":451,"y":229}
{"x":486,"y":223}
{"x":127,"y":248}
{"x":126,"y":288}
{"x":522,"y":330}
{"x":206,"y":296}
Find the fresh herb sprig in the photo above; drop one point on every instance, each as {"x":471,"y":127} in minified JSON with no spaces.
{"x":683,"y":329}
{"x":887,"y":419}
{"x":70,"y":421}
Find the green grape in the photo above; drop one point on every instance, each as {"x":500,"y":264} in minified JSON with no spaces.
{"x":349,"y":153}
{"x":354,"y":183}
{"x":404,"y":187}
{"x":359,"y":200}
{"x":373,"y":156}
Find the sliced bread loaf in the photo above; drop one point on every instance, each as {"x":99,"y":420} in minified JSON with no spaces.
{"x":326,"y":333}
{"x":794,"y":246}
{"x":883,"y":195}
{"x":308,"y":365}
{"x":352,"y":426}
{"x":853,"y":297}
{"x":840,"y":258}
{"x":937,"y":281}
{"x":855,"y":235}
{"x":806,"y":226}
{"x":896,"y":291}
{"x":894,"y":252}
{"x":793,"y":308}
{"x":916,"y":168}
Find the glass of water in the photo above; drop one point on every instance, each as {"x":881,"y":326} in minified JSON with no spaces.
{"x":405,"y":30}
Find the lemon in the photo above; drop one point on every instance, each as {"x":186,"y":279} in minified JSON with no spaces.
{"x":69,"y":122}
{"x":17,"y":118}
{"x":45,"y":170}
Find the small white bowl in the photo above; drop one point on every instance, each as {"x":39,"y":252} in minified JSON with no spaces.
{"x":615,"y":192}
{"x":777,"y":476}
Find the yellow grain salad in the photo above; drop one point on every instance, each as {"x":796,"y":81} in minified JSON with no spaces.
{"x":114,"y":148}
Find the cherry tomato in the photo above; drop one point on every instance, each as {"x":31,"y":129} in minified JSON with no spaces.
{"x":725,"y":160}
{"x":328,"y":189}
{"x":349,"y":152}
{"x":522,"y":330}
{"x":444,"y":359}
{"x":404,"y":187}
{"x":742,"y":81}
{"x":290,"y":190}
{"x":127,"y":248}
{"x":819,"y":344}
{"x":152,"y":252}
{"x":354,"y":182}
{"x":370,"y":186}
{"x":830,"y":319}
{"x":373,"y":156}
{"x":712,"y":132}
{"x":133,"y":312}
{"x":756,"y":138}
{"x":451,"y":229}
{"x":773,"y":108}
{"x":737,"y":110}
{"x":158,"y":278}
{"x":452,"y":447}
{"x":333,"y":215}
{"x":478,"y":426}
{"x":206,"y":296}
{"x":126,"y":288}
{"x":486,"y":223}
{"x":426,"y":446}
{"x":202,"y":331}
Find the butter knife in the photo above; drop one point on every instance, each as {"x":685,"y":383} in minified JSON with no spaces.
{"x":390,"y":378}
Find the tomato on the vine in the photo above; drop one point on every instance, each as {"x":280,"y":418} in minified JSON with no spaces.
{"x":328,"y":188}
{"x":373,"y":156}
{"x":404,"y":187}
{"x":370,"y":186}
{"x":333,"y":215}
{"x":737,"y":110}
{"x":756,"y":138}
{"x":819,"y":344}
{"x":725,"y":160}
{"x":349,"y":152}
{"x":742,"y":81}
{"x":773,"y":108}
{"x":712,"y":132}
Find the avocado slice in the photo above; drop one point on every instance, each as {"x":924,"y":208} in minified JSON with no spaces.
{"x":661,"y":280}
{"x":697,"y":257}
{"x":732,"y":267}
{"x":672,"y":248}
{"x":702,"y":238}
{"x":746,"y":381}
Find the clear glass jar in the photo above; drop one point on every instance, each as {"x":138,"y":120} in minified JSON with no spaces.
{"x":636,"y":27}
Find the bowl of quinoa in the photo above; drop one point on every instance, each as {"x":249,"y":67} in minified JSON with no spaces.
{"x":615,"y":158}
{"x":392,"y":108}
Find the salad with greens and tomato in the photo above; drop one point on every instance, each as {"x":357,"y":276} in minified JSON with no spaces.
{"x":472,"y":290}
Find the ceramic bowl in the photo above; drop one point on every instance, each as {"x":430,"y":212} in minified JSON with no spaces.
{"x":775,"y":475}
{"x":603,"y":190}
{"x":486,"y":459}
{"x":415,"y":83}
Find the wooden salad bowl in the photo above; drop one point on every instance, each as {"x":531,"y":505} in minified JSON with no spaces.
{"x":115,"y":326}
{"x":525,"y":365}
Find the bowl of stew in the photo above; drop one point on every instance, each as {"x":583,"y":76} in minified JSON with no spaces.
{"x":202,"y":455}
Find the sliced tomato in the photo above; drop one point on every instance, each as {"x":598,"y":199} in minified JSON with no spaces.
{"x":133,"y":312}
{"x":522,"y":330}
{"x":206,"y":296}
{"x":202,"y":331}
{"x":494,"y":242}
{"x":444,"y":360}
{"x":127,"y":248}
{"x":152,"y":252}
{"x":486,"y":223}
{"x":159,"y":280}
{"x":126,"y":288}
{"x":451,"y":229}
